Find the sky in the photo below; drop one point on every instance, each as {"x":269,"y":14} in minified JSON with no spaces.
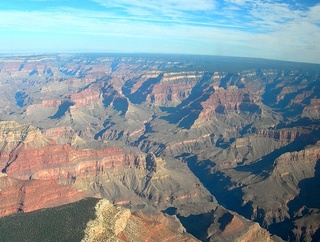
{"x":282,"y":30}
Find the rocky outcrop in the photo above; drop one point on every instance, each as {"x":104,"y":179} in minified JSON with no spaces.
{"x":228,"y":226}
{"x":307,"y":228}
{"x":173,"y":88}
{"x":64,"y":160}
{"x":273,"y":195}
{"x":114,"y":223}
{"x":85,"y":98}
{"x":64,"y":135}
{"x":313,"y":109}
{"x":224,"y":101}
{"x":51,"y":103}
{"x":14,"y":136}
{"x":29,"y":195}
{"x":121,"y":176}
{"x":288,"y":135}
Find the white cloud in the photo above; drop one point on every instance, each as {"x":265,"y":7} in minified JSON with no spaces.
{"x":177,"y":10}
{"x":314,"y":14}
{"x":269,"y":30}
{"x":183,"y":5}
{"x":238,"y":2}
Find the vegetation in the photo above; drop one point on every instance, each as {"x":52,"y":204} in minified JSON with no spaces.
{"x":64,"y":223}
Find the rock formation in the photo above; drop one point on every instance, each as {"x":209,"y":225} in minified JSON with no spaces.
{"x":232,"y":227}
{"x":29,"y":159}
{"x":114,"y":223}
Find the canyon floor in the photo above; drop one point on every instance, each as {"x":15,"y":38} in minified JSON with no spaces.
{"x":160,"y":147}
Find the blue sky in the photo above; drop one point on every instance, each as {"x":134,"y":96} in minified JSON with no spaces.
{"x":285,"y":30}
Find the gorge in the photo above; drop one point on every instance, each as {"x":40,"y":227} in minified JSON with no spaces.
{"x":218,"y":148}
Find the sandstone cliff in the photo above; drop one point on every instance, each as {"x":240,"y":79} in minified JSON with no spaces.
{"x":124,"y":177}
{"x":232,"y":227}
{"x":119,"y":224}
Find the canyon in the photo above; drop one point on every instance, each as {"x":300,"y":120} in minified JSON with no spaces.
{"x":218,"y":148}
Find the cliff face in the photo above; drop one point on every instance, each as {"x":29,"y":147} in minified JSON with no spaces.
{"x":232,"y":227}
{"x":173,"y":88}
{"x":29,"y":195}
{"x":85,"y":98}
{"x":278,"y":196}
{"x":313,"y":109}
{"x":224,"y":101}
{"x":123,"y":177}
{"x":289,"y":170}
{"x":119,"y":224}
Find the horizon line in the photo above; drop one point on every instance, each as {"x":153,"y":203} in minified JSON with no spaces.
{"x":24,"y":54}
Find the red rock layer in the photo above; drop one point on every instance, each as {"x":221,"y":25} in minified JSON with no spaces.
{"x":114,"y":223}
{"x":282,"y":134}
{"x":63,"y":161}
{"x":170,"y":93}
{"x":10,"y":66}
{"x":85,"y":98}
{"x":233,"y":227}
{"x":44,"y":177}
{"x":31,"y":195}
{"x":51,"y":103}
{"x":231,"y":100}
{"x":173,"y":88}
{"x":159,"y":227}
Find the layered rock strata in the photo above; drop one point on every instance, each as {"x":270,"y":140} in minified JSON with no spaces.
{"x":114,"y":223}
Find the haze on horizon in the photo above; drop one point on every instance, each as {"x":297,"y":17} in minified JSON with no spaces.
{"x":282,"y":30}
